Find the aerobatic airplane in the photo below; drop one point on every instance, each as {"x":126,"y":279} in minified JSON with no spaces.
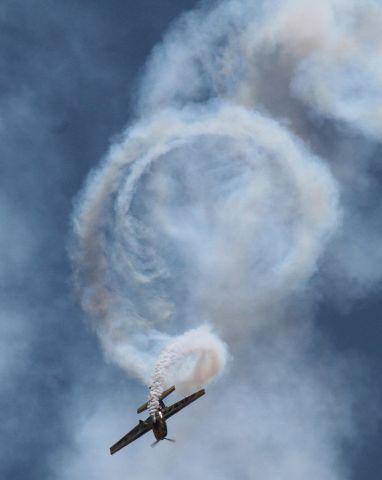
{"x":157,"y":421}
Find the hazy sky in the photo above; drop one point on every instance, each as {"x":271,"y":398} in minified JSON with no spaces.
{"x":69,"y":79}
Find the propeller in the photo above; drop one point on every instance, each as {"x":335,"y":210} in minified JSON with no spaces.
{"x":168,"y":439}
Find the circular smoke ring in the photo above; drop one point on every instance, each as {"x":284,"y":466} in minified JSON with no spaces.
{"x":122,"y":218}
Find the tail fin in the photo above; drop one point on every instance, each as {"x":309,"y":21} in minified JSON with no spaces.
{"x":167,"y":392}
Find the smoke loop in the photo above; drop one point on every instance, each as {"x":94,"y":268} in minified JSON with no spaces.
{"x":187,"y":206}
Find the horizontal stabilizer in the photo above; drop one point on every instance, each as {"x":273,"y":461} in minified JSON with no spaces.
{"x":165,"y":394}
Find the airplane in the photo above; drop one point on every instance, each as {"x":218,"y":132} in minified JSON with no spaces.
{"x":156,"y":422}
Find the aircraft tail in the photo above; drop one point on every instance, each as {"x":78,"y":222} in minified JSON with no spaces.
{"x":167,"y":392}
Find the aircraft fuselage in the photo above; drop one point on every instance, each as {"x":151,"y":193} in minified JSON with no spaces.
{"x":159,"y":426}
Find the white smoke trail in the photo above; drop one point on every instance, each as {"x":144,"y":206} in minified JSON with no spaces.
{"x":212,"y":209}
{"x":206,"y":359}
{"x":220,"y":218}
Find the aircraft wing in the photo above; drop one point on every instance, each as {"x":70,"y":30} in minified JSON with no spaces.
{"x":174,"y":408}
{"x":136,"y":432}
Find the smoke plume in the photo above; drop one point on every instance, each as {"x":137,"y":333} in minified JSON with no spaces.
{"x":222,"y":209}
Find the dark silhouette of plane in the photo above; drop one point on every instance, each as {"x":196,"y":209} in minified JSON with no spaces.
{"x":157,"y":421}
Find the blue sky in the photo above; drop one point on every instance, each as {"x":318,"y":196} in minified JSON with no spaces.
{"x":70,"y":80}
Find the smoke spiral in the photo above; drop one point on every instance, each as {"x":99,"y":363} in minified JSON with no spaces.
{"x":187,"y":200}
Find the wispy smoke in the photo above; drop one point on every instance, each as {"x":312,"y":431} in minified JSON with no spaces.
{"x":218,"y":207}
{"x":206,"y":358}
{"x":195,"y":215}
